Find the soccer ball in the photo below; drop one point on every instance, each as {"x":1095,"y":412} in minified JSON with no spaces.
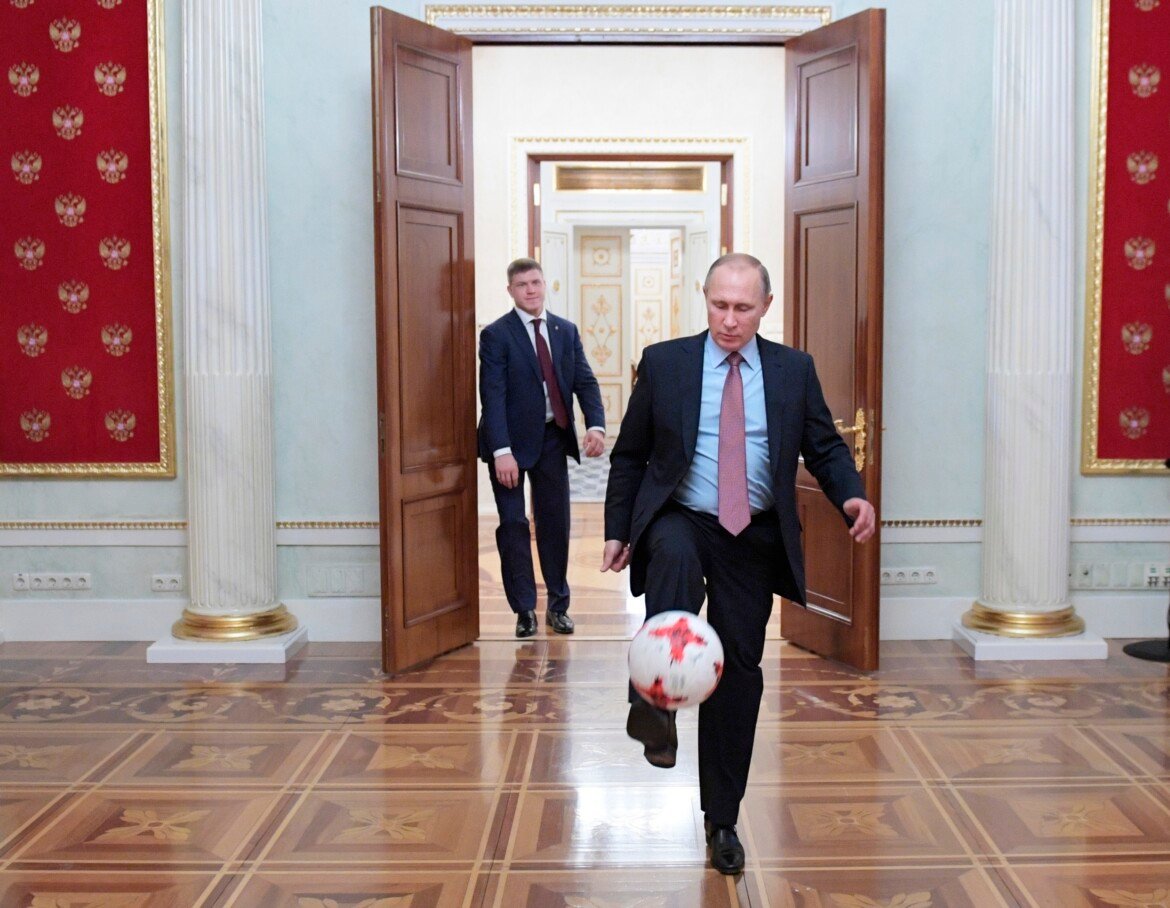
{"x":676,"y":659}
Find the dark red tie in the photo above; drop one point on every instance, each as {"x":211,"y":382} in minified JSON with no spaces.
{"x":734,"y":511}
{"x":560,"y":413}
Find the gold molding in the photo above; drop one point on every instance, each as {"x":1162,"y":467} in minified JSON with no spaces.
{"x":1091,"y":393}
{"x":1062,"y":623}
{"x":234,"y":628}
{"x":1120,"y":521}
{"x":164,"y":468}
{"x":328,"y":525}
{"x":668,"y":12}
{"x":931,"y":524}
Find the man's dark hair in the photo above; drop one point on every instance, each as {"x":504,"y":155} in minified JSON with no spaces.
{"x":741,"y":260}
{"x":521,"y":265}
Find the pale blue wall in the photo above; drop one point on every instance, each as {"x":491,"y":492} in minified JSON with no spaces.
{"x":317,"y":96}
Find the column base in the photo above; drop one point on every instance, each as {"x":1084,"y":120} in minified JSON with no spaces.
{"x":267,"y":650}
{"x":234,"y":628}
{"x":1061,"y":623}
{"x":990,"y":647}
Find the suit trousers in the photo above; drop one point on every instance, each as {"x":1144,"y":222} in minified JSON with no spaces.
{"x":549,"y":477}
{"x":692,"y":556}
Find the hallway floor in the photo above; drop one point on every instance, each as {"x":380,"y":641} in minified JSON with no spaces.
{"x":500,"y":775}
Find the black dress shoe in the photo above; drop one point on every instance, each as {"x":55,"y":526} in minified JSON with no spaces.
{"x":525,"y":624}
{"x":656,"y":729}
{"x":559,"y":622}
{"x":726,"y":849}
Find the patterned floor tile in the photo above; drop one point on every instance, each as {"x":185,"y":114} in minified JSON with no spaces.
{"x":126,"y":827}
{"x":216,"y":758}
{"x":35,"y":756}
{"x":596,"y":826}
{"x":850,"y":825}
{"x":382,"y":827}
{"x":1102,"y":820}
{"x":887,"y":887}
{"x":597,"y":757}
{"x":679,"y":887}
{"x":427,"y":758}
{"x":103,"y":889}
{"x":1012,"y":752}
{"x":324,"y":888}
{"x":789,"y":753}
{"x":1146,"y":747}
{"x":18,"y":808}
{"x":1091,"y":885}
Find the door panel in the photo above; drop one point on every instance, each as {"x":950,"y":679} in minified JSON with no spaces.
{"x":425,"y":324}
{"x":833,"y":308}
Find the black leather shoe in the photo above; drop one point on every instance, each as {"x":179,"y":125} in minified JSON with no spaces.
{"x":726,"y":849}
{"x":559,"y":622}
{"x":525,"y":624}
{"x":656,"y":729}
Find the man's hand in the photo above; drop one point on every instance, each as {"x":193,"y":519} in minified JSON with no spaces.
{"x":507,"y":471}
{"x":615,"y":557}
{"x":594,"y":443}
{"x":864,"y":518}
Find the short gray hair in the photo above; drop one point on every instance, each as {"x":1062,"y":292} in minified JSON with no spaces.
{"x":741,"y":260}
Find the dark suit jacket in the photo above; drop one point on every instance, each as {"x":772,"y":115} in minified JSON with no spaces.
{"x":511,"y":387}
{"x":657,"y":442}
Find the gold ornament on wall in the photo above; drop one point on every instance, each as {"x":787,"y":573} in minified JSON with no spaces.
{"x":32,"y":339}
{"x":109,"y":4}
{"x":1146,"y":6}
{"x":115,"y":252}
{"x":112,"y":164}
{"x":116,"y":339}
{"x":110,"y":77}
{"x":23,"y":77}
{"x":26,"y":166}
{"x":35,"y":424}
{"x":120,"y":424}
{"x":1135,"y":421}
{"x":73,"y":295}
{"x":1144,"y":79}
{"x":22,"y":4}
{"x":1139,"y":252}
{"x":68,"y":122}
{"x":1142,"y":165}
{"x":1136,"y":337}
{"x":65,"y":34}
{"x":30,"y":252}
{"x":76,"y":381}
{"x":70,"y":209}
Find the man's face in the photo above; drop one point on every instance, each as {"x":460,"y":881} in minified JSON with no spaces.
{"x":735,"y":305}
{"x":527,"y":291}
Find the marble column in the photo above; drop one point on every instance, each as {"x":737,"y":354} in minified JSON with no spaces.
{"x":1029,"y":424}
{"x":230,"y":486}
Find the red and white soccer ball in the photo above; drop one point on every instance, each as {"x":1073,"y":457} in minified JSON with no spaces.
{"x":676,"y":659}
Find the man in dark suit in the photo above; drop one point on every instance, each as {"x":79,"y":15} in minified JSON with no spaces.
{"x":702,"y":503}
{"x":531,"y":363}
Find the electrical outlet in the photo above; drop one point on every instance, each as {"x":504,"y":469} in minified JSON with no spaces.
{"x":166,"y":583}
{"x":343,"y":580}
{"x":52,"y":582}
{"x":897,"y":576}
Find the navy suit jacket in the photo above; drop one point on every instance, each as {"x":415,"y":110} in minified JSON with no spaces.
{"x":657,"y":443}
{"x":511,"y":387}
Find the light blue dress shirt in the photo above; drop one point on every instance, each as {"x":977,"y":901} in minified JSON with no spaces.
{"x":699,"y":489}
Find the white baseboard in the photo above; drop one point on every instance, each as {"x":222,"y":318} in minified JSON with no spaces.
{"x":1105,"y":614}
{"x":360,"y":619}
{"x":151,"y":619}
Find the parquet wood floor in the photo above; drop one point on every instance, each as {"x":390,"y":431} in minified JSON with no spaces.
{"x":500,"y":775}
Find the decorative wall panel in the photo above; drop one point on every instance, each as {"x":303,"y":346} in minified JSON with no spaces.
{"x":1127,"y":336}
{"x":85,"y":383}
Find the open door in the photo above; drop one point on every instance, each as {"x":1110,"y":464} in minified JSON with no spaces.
{"x":425,"y":338}
{"x":833,"y":309}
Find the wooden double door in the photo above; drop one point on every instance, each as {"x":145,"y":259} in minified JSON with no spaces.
{"x":425,"y":323}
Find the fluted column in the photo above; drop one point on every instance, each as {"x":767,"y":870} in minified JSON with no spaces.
{"x":232,"y":534}
{"x":1029,"y":432}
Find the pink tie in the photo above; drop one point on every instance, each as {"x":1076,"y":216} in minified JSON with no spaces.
{"x":734,"y":512}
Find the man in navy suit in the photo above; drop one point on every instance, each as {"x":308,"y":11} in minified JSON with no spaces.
{"x":701,"y":504}
{"x":531,"y":363}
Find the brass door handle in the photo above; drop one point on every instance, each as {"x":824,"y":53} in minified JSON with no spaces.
{"x":857,"y":430}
